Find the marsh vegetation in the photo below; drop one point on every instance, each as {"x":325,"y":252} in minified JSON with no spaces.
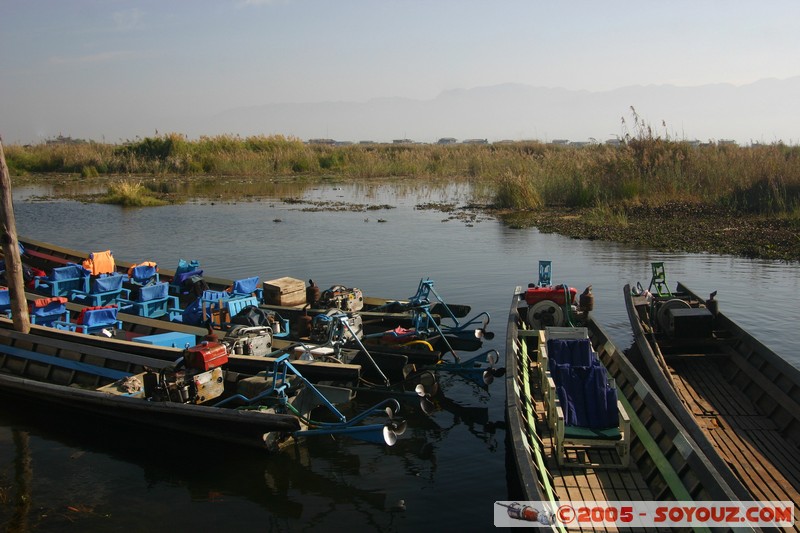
{"x":520,"y":175}
{"x":607,"y":189}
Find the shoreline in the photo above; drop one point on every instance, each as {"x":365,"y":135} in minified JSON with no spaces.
{"x":669,"y":227}
{"x":674,"y":227}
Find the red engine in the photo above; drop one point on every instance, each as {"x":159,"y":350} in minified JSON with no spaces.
{"x":206,"y":356}
{"x":555,"y":294}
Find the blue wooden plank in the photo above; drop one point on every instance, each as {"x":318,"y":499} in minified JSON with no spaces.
{"x":64,"y":363}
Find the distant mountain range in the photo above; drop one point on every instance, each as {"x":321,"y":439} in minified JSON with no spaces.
{"x":765,"y":111}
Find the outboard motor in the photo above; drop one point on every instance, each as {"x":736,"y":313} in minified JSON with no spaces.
{"x":249,"y":340}
{"x":196,"y":378}
{"x":329,"y":327}
{"x":342,"y":298}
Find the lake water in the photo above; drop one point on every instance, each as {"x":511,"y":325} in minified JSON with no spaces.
{"x":448,"y":469}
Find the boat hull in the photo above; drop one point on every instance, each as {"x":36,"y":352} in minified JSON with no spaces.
{"x":58,"y":373}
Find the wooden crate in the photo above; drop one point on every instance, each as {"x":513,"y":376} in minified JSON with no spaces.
{"x":285,"y":292}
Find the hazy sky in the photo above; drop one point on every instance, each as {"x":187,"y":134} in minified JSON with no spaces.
{"x":65,"y":65}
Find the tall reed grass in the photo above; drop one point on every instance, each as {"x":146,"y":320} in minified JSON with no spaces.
{"x":522,"y":175}
{"x":131,"y":194}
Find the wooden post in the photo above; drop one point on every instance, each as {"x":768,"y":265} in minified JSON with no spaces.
{"x":8,"y":226}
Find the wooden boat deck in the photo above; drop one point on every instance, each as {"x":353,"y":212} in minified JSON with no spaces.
{"x":747,"y":440}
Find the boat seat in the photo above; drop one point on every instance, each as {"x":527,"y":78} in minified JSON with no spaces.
{"x":5,"y":302}
{"x":145,"y":273}
{"x":247,"y":287}
{"x":576,"y":352}
{"x":50,"y":312}
{"x":220,"y":316}
{"x":178,"y":284}
{"x":93,"y":320}
{"x":63,"y":280}
{"x":153,"y":301}
{"x":565,"y":355}
{"x":212,"y":302}
{"x":105,"y":290}
{"x":551,"y":333}
{"x":589,"y":416}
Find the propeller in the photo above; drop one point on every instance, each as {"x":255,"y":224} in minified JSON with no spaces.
{"x":394,"y":427}
{"x":490,"y":373}
{"x":425,"y":399}
{"x":481,"y":332}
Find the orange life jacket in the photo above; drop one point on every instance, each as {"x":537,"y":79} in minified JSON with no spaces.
{"x":100,"y":263}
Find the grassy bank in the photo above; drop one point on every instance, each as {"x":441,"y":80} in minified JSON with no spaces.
{"x":519,"y":176}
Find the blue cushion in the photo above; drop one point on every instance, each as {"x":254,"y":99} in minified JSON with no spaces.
{"x":70,"y":271}
{"x":143,"y":272}
{"x":153,"y":292}
{"x":53,"y":308}
{"x":245,"y":286}
{"x":100,"y":317}
{"x":586,"y":398}
{"x":180,"y":278}
{"x":567,"y":407}
{"x":5,"y":298}
{"x":186,"y":266}
{"x":193,"y":314}
{"x":108,"y":283}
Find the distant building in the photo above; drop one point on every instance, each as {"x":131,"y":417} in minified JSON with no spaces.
{"x":561,"y":142}
{"x":64,"y":140}
{"x":402,"y":141}
{"x":322,"y":141}
{"x":446,"y":140}
{"x":475,"y":141}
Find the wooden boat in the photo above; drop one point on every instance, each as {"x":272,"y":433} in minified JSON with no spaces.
{"x":148,"y":331}
{"x":377,"y":314}
{"x":198,"y":397}
{"x":552,"y":465}
{"x":164,"y":340}
{"x":384,"y":364}
{"x":737,"y":399}
{"x":46,"y":256}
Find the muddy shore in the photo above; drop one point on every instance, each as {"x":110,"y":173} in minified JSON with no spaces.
{"x":676,"y":227}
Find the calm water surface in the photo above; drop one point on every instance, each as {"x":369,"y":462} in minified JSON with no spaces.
{"x":447,"y":469}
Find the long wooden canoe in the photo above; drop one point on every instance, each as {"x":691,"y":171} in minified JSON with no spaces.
{"x":665,"y":463}
{"x":199,"y":396}
{"x":46,"y":256}
{"x":378,"y":315}
{"x":74,"y":376}
{"x":737,"y":398}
